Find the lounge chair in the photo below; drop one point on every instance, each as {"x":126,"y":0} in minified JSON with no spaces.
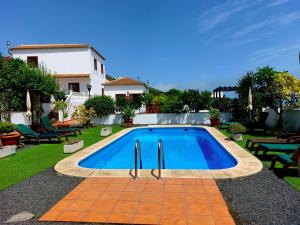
{"x":30,"y":134}
{"x":48,"y":126}
{"x":279,"y":140}
{"x":287,"y":160}
{"x":288,"y":148}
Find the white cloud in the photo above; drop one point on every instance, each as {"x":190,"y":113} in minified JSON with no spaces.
{"x":270,"y":53}
{"x":283,"y":20}
{"x":222,"y":12}
{"x":278,"y":2}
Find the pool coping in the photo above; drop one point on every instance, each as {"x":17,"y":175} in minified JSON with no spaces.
{"x":247,"y":164}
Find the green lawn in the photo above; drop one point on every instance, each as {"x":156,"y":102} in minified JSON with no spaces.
{"x":292,"y":176}
{"x":28,"y":162}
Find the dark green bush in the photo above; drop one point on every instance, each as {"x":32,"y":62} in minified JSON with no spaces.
{"x":103,"y":105}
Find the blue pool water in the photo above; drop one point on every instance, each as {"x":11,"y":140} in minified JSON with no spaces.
{"x":184,"y":148}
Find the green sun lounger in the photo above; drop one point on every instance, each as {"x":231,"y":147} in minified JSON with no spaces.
{"x":29,"y":134}
{"x":286,"y":160}
{"x":48,"y":126}
{"x":288,"y":148}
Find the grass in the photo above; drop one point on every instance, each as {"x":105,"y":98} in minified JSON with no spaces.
{"x":291,"y":177}
{"x":32,"y":160}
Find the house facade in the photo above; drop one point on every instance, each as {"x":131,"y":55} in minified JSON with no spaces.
{"x":74,"y":65}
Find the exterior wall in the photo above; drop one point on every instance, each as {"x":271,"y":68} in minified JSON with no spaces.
{"x":60,"y":61}
{"x":162,"y":118}
{"x":291,"y":120}
{"x":20,"y":118}
{"x":69,"y":61}
{"x":132,"y":89}
{"x":97,"y":78}
{"x":63,"y":84}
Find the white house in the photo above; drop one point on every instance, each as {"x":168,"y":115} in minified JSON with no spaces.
{"x":125,"y":87}
{"x":74,"y":65}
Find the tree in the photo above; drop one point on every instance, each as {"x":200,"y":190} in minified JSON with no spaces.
{"x":16,"y":77}
{"x":269,"y":89}
{"x":103,"y":105}
{"x":197,"y":100}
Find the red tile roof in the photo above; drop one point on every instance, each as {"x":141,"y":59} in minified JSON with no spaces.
{"x":123,"y":81}
{"x":55,"y":46}
{"x":71,"y":75}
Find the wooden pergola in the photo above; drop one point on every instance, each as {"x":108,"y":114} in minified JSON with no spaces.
{"x":218,"y":92}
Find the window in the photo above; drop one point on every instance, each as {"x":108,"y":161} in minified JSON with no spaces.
{"x":120,"y":96}
{"x":102,"y":68}
{"x":32,"y":61}
{"x":74,"y":87}
{"x":95,"y":64}
{"x":102,"y":91}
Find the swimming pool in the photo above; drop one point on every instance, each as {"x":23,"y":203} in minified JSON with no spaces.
{"x":190,"y":148}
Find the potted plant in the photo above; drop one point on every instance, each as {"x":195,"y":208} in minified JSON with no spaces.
{"x":7,"y":134}
{"x":128,"y":115}
{"x":73,"y":145}
{"x":214,"y":115}
{"x":236,"y":130}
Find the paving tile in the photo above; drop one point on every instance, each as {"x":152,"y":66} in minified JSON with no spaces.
{"x":80,"y":205}
{"x":98,"y":187}
{"x":146,"y":219}
{"x":120,"y":218}
{"x":63,"y":205}
{"x":173,"y":219}
{"x":121,"y":181}
{"x":200,"y":220}
{"x":194,"y":188}
{"x":94,"y":217}
{"x":116,"y":187}
{"x":156,"y":181}
{"x":103,"y":206}
{"x":51,"y":215}
{"x":149,"y":207}
{"x":107,"y":180}
{"x":175,"y":181}
{"x":173,"y":197}
{"x":224,"y":220}
{"x":139,"y":181}
{"x":219,"y":210}
{"x":135,"y":187}
{"x":174,"y":188}
{"x":151,"y":197}
{"x":195,"y":197}
{"x":154,"y":187}
{"x":70,"y":216}
{"x":109,"y":196}
{"x":198,"y":210}
{"x":173,"y":207}
{"x":89,"y":195}
{"x":125,"y":207}
{"x":143,"y":201}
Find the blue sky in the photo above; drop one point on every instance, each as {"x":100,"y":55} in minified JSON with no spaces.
{"x":173,"y":44}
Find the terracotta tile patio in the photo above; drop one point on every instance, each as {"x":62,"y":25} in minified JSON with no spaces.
{"x":143,"y":201}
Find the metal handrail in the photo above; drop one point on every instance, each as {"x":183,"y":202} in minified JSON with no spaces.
{"x":161,"y":157}
{"x":137,"y":154}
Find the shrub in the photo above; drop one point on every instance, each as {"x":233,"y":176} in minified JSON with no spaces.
{"x":83,"y":115}
{"x":103,"y":105}
{"x":6,"y":127}
{"x":214,"y":113}
{"x":121,"y":103}
{"x":128,"y":113}
{"x":16,"y":77}
{"x":237,"y":128}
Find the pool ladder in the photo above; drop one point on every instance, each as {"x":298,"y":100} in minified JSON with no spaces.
{"x":138,"y":157}
{"x":161,"y":158}
{"x":137,"y":154}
